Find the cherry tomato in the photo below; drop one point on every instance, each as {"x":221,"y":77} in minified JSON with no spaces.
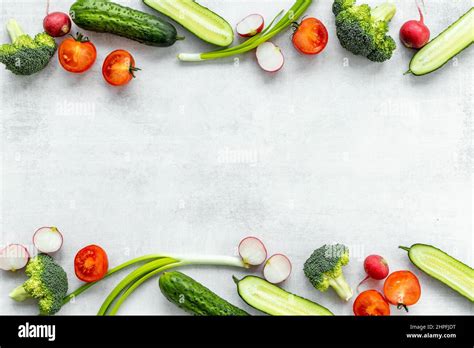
{"x":402,"y":289}
{"x":371,"y":303}
{"x":310,"y":36}
{"x":77,"y":54}
{"x":119,"y":67}
{"x":91,"y":263}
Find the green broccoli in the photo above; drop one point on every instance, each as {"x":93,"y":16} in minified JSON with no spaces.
{"x":363,"y":30}
{"x":25,"y":55}
{"x":324,"y":269}
{"x":341,"y":5}
{"x":47,"y":283}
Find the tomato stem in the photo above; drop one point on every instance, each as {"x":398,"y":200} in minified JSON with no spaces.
{"x":295,"y":25}
{"x":404,"y":306}
{"x":80,"y":37}
{"x":133,"y":69}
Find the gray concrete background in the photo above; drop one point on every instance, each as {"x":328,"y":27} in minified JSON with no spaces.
{"x":190,"y":158}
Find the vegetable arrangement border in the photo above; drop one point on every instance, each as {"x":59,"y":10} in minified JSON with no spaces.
{"x":360,"y":29}
{"x":47,"y":281}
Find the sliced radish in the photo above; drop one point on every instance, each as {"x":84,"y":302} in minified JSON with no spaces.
{"x":48,"y":239}
{"x":252,"y":251}
{"x":277,"y":268}
{"x":250,"y":25}
{"x":13,"y":257}
{"x":269,"y":57}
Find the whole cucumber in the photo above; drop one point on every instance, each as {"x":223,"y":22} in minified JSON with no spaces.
{"x":194,"y":297}
{"x":107,"y":17}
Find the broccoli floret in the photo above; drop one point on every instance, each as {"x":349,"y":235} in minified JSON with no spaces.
{"x":25,"y":55}
{"x":47,"y":282}
{"x":363,"y":30}
{"x":341,"y":5}
{"x":324,"y":269}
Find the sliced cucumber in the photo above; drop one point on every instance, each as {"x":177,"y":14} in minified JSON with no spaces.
{"x":271,"y":299}
{"x":457,"y":37}
{"x":439,"y":265}
{"x":198,"y":19}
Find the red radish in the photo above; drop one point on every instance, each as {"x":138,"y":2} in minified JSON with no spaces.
{"x":415,"y":34}
{"x":277,"y":269}
{"x":252,"y":251}
{"x":269,"y":57}
{"x":376,"y":268}
{"x":250,"y":25}
{"x":48,"y":239}
{"x":13,"y":257}
{"x":56,"y":24}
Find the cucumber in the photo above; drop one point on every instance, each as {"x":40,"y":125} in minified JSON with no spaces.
{"x":271,"y":299}
{"x":194,"y":297}
{"x":108,"y":17}
{"x":199,"y":20}
{"x":456,"y":38}
{"x":439,"y":265}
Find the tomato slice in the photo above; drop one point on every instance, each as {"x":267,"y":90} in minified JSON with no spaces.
{"x":119,"y":67}
{"x":310,"y":36}
{"x":402,"y":289}
{"x":371,"y":303}
{"x":91,"y":263}
{"x":77,"y":55}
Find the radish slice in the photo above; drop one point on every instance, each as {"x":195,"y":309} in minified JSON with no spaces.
{"x":269,"y":57}
{"x":13,"y":257}
{"x":48,"y":239}
{"x":277,"y":269}
{"x":252,"y":251}
{"x":250,"y":25}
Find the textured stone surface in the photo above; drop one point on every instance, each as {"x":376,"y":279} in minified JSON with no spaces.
{"x":190,"y":158}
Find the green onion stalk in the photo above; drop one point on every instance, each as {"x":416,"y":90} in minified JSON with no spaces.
{"x":288,"y":18}
{"x":151,"y":265}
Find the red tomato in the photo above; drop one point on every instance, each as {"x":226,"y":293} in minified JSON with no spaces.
{"x":119,"y":67}
{"x":310,"y":36}
{"x":402,"y":289}
{"x":91,"y":263}
{"x":77,"y":54}
{"x":370,"y":303}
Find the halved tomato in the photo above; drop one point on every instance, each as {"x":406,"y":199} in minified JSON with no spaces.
{"x":371,"y":303}
{"x":402,"y":289}
{"x":119,"y":68}
{"x":310,"y":36}
{"x":91,"y":263}
{"x":77,"y":54}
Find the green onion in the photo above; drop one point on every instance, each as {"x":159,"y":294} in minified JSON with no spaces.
{"x":153,"y":265}
{"x":137,"y":274}
{"x":121,"y":298}
{"x":130,"y":283}
{"x":293,"y":14}
{"x":83,"y":288}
